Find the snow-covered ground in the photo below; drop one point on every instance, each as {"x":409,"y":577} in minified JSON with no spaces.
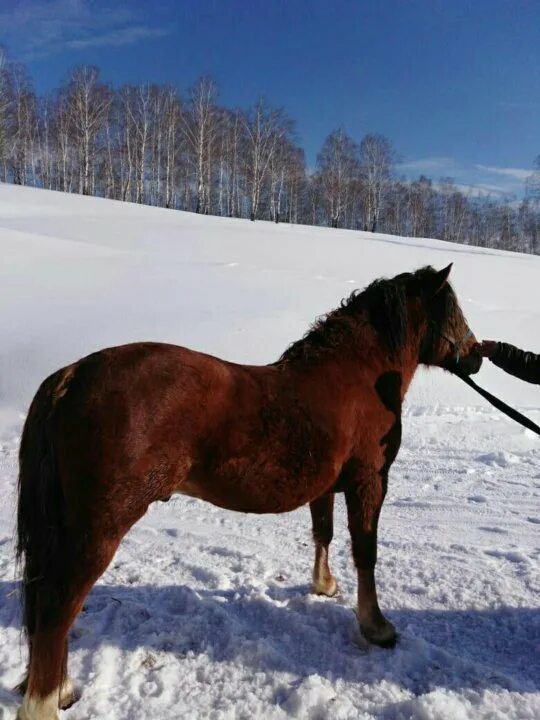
{"x":206,"y":614}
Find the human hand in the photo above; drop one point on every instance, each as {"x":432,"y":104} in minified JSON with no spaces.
{"x":487,"y":348}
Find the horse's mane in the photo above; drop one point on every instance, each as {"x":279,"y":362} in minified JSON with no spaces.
{"x":382,"y":305}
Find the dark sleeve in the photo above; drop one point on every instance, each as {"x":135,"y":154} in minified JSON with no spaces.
{"x":524,"y":365}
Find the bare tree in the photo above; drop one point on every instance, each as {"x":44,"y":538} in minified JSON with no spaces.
{"x":172,"y":114}
{"x":3,"y":111}
{"x":21,"y":122}
{"x":200,"y":125}
{"x":264,"y":128}
{"x":337,"y":170}
{"x":89,"y":102}
{"x":532,"y":184}
{"x":454,"y":211}
{"x":421,"y":207}
{"x":377,"y":159}
{"x":283,"y":167}
{"x":64,"y":146}
{"x":483,"y":222}
{"x":138,"y":102}
{"x":233,"y":162}
{"x":529,"y":222}
{"x":296,"y":185}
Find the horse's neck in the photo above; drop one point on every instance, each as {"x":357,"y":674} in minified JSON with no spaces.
{"x":406,"y":359}
{"x":362,"y":362}
{"x":343,"y":377}
{"x":371,"y":365}
{"x":407,"y":362}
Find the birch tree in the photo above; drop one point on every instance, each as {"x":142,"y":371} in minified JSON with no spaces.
{"x":20,"y":122}
{"x":337,"y":169}
{"x":200,"y":125}
{"x":454,"y":211}
{"x":529,"y":221}
{"x":377,"y":158}
{"x":89,"y":103}
{"x":64,"y":144}
{"x":421,"y":207}
{"x":3,"y":111}
{"x":232,"y":159}
{"x":264,"y":129}
{"x":138,"y":106}
{"x":172,"y":114}
{"x":532,"y":184}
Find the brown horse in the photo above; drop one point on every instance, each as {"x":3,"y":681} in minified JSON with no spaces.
{"x":129,"y":425}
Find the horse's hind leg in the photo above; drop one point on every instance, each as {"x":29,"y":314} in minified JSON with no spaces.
{"x":322,"y":517}
{"x":48,"y":686}
{"x":66,"y":693}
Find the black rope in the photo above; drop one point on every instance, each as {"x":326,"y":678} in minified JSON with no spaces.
{"x":500,"y":405}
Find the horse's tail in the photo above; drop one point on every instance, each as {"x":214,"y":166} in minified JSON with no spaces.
{"x":40,"y":511}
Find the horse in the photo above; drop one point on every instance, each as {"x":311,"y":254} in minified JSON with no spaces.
{"x":130,"y":425}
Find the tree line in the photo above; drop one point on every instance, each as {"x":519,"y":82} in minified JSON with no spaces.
{"x":147,"y":144}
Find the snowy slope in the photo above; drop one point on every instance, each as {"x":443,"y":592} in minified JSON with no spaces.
{"x":206,"y":614}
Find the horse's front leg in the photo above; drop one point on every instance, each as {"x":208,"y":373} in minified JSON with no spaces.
{"x":322,"y":517}
{"x":364,"y":500}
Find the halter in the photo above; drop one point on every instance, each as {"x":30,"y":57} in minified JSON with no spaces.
{"x":456,"y":345}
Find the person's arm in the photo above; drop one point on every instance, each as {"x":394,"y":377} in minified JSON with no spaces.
{"x":522,"y":364}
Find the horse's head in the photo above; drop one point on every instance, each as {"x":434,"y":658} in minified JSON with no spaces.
{"x":449,"y":342}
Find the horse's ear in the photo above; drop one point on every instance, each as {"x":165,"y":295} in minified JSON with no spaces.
{"x":439,"y":279}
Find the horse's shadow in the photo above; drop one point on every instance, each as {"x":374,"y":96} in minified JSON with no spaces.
{"x":282,"y":628}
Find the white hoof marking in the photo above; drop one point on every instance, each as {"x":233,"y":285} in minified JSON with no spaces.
{"x":36,"y":708}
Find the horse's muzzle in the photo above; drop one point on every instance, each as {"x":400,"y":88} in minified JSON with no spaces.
{"x":464,"y":365}
{"x":470,"y":364}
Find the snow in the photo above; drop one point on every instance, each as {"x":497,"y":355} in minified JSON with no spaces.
{"x":207,"y":614}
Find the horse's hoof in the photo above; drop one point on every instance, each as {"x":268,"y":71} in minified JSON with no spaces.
{"x":68,"y":695}
{"x":23,"y":715}
{"x":39,"y":708}
{"x":21,"y":687}
{"x":325,"y":587}
{"x":384,"y":636}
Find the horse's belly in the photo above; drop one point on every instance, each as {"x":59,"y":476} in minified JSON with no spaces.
{"x":253,"y":494}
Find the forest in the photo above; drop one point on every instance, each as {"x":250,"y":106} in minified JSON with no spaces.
{"x":149,"y":144}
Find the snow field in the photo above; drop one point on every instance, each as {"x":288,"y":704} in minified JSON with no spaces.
{"x":207,"y":614}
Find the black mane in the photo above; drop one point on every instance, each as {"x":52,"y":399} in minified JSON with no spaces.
{"x":383,"y":305}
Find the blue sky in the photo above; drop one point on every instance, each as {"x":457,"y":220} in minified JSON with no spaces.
{"x":454,"y":84}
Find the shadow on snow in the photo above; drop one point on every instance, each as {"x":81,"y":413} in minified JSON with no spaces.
{"x":283,"y":628}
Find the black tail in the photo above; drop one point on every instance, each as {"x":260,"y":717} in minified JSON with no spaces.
{"x":40,"y":511}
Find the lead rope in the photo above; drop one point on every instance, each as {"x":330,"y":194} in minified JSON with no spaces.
{"x":493,"y":399}
{"x":501,"y":405}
